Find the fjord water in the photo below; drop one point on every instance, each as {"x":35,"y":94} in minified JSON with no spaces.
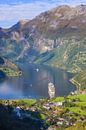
{"x":33,"y":83}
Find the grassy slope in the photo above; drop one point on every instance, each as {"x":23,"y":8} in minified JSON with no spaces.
{"x":79,"y":105}
{"x":77,"y":127}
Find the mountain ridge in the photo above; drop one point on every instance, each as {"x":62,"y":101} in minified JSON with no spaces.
{"x":38,"y":40}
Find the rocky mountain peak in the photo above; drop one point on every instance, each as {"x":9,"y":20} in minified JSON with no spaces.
{"x":28,"y":40}
{"x":23,"y":22}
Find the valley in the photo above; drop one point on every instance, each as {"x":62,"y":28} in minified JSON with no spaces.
{"x":50,"y":48}
{"x":55,"y":38}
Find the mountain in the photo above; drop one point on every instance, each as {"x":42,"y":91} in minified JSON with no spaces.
{"x":55,"y":37}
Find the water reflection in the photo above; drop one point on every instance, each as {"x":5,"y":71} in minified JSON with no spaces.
{"x":34,"y":84}
{"x":7,"y":91}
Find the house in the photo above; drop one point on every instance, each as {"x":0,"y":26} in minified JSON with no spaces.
{"x":46,"y":106}
{"x":60,"y":123}
{"x":52,"y":104}
{"x":58,"y":103}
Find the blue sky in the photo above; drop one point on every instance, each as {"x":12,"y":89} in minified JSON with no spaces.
{"x":11,"y":11}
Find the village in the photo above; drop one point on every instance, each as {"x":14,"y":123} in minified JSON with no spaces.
{"x":54,"y":113}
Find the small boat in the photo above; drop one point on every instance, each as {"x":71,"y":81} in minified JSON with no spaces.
{"x":37,"y":70}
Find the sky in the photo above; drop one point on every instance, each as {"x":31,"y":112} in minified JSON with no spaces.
{"x":11,"y":11}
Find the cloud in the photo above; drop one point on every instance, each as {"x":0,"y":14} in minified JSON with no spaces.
{"x":10,"y":14}
{"x":13,"y":13}
{"x":23,"y":11}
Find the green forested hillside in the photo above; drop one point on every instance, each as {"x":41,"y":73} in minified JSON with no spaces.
{"x":71,"y":56}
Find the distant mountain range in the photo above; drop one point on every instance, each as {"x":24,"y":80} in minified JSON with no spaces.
{"x":56,"y":37}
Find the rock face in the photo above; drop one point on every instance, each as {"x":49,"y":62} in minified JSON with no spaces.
{"x":43,"y":33}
